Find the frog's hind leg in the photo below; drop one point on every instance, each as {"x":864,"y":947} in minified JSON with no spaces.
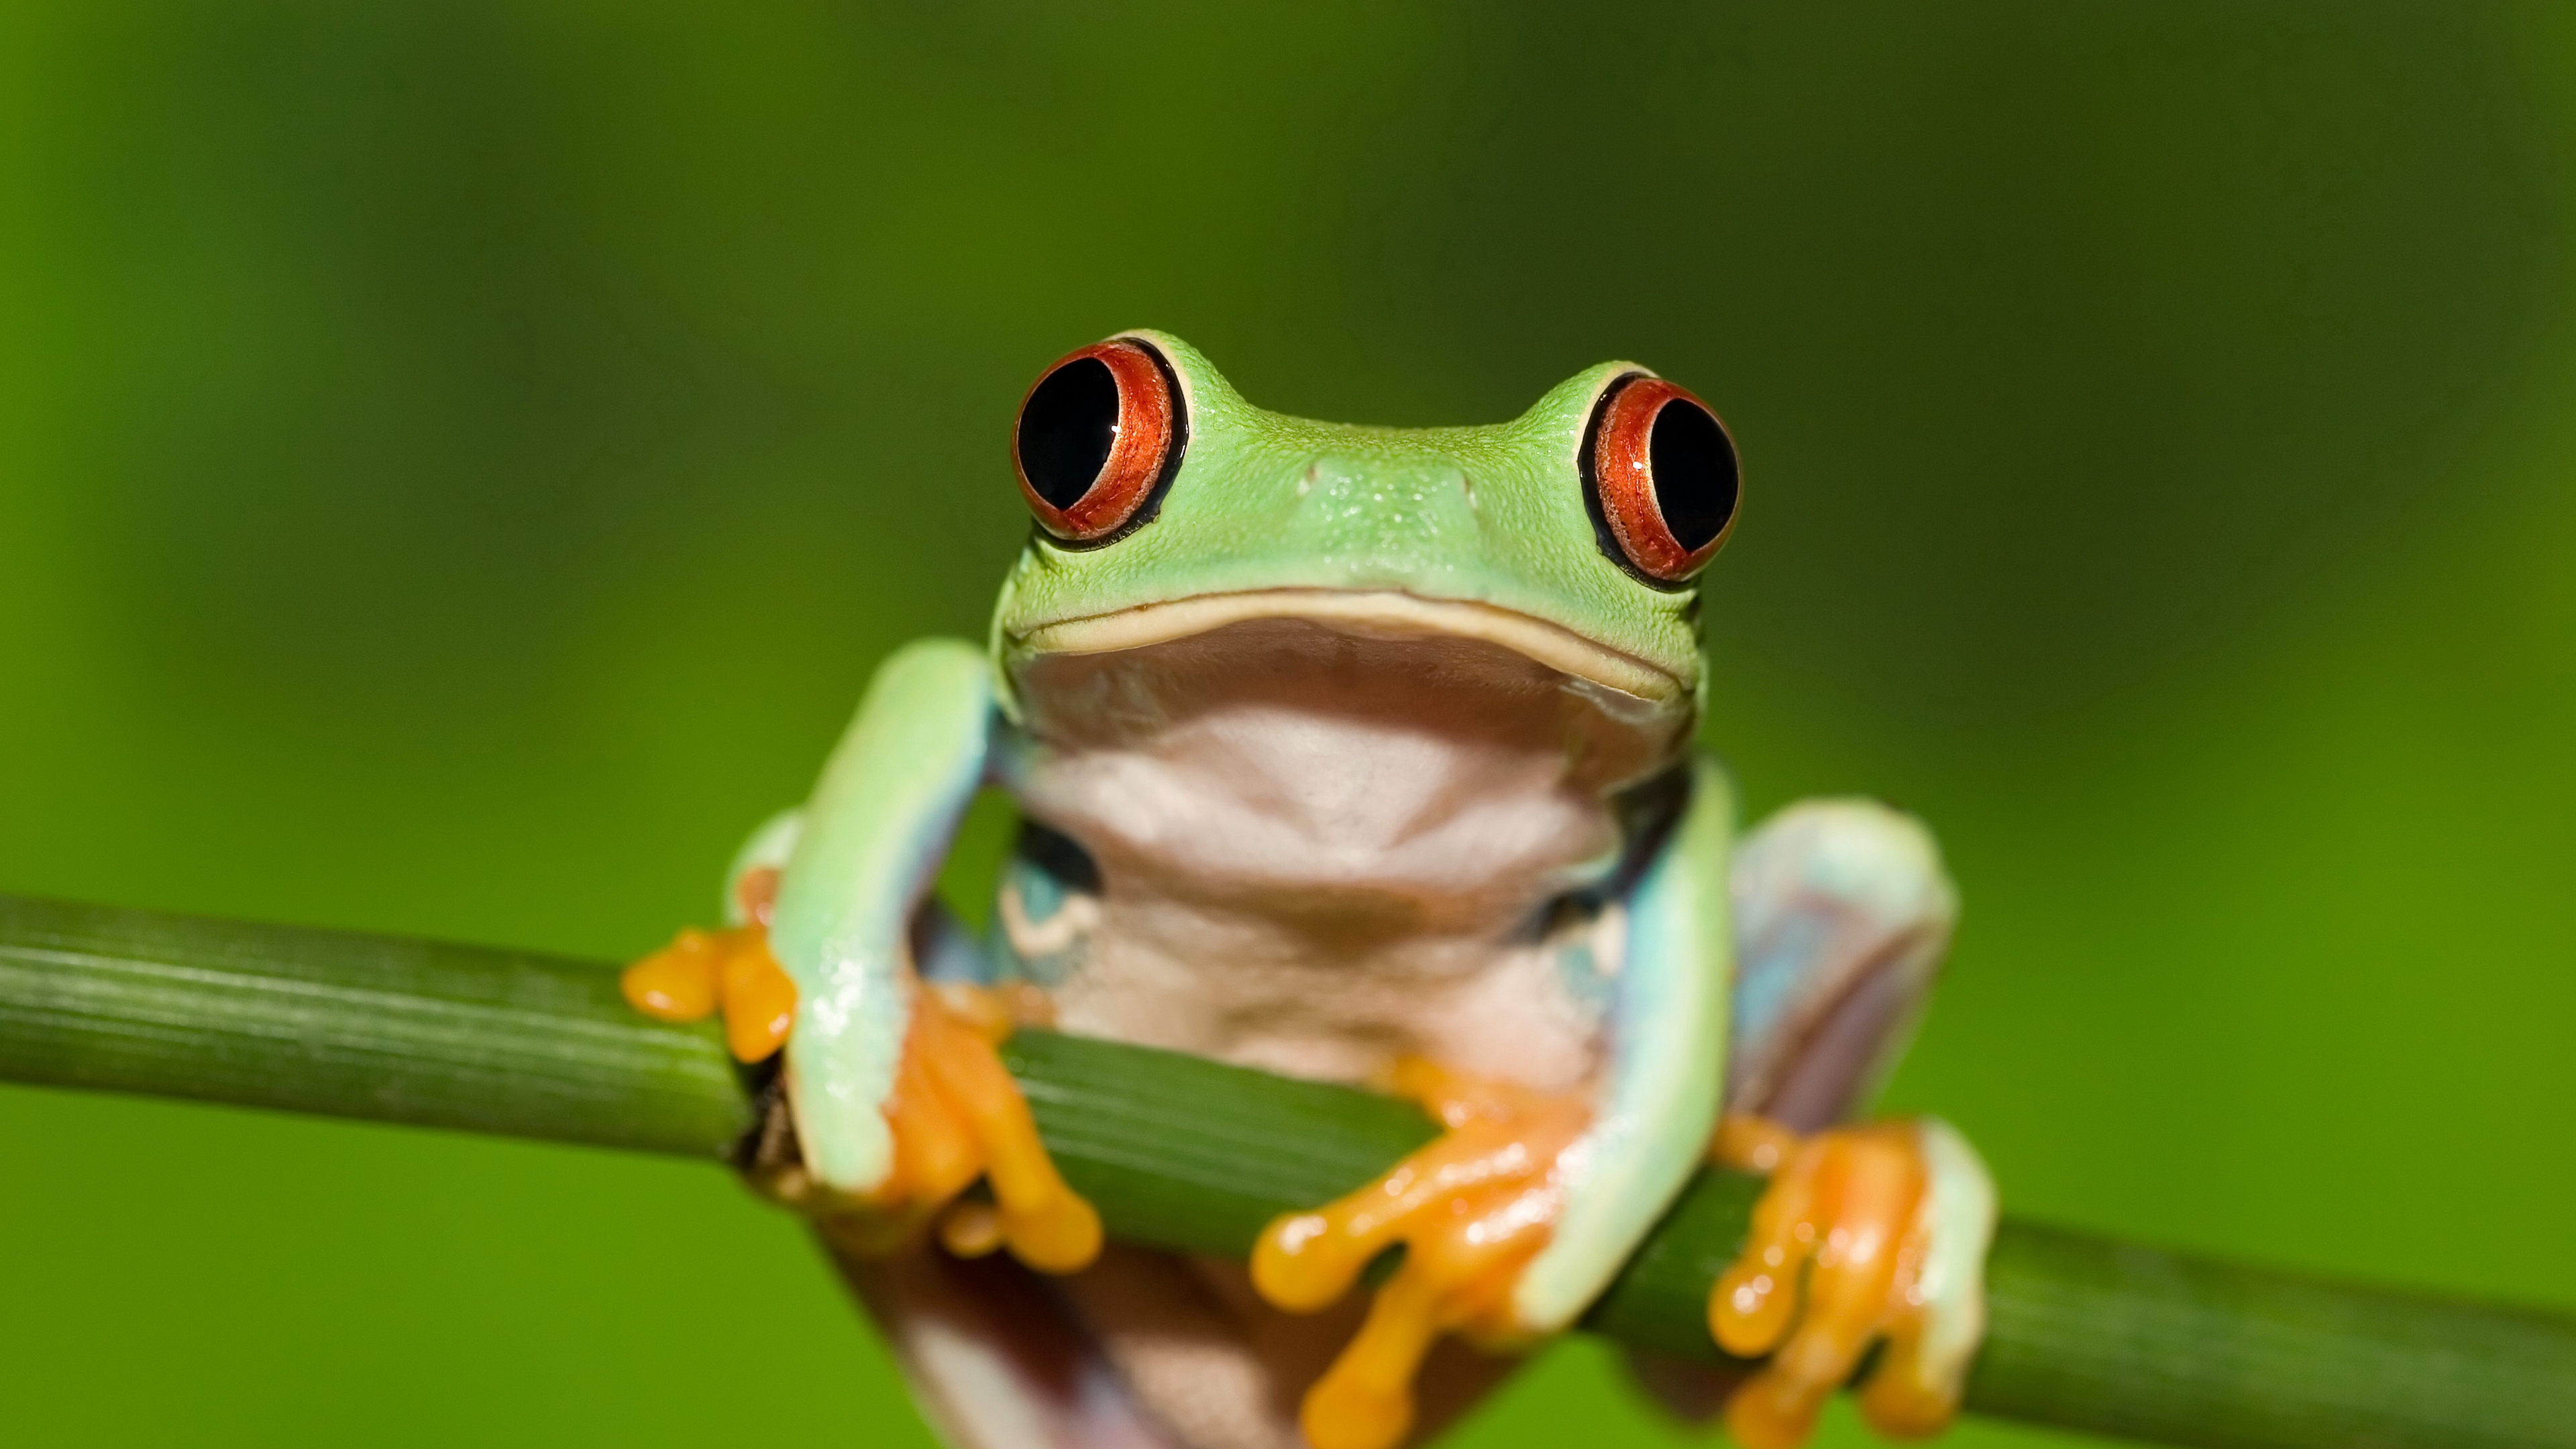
{"x":1197,"y":1346}
{"x":993,"y":1358}
{"x":1842,"y":915}
{"x":1142,"y":1350}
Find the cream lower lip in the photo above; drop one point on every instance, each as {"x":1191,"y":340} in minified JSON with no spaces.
{"x":1378,"y":611}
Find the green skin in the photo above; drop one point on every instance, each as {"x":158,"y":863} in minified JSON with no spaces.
{"x":1267,"y":501}
{"x":1488,"y":523}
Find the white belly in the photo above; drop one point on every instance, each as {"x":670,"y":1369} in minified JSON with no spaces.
{"x":1319,"y":852}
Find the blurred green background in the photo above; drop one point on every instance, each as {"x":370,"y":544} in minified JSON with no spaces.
{"x":459,"y":463}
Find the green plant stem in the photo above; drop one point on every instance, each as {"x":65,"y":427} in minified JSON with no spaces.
{"x":2085,"y":1332}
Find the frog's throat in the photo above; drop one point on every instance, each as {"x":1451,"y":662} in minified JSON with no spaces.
{"x":1385,"y":611}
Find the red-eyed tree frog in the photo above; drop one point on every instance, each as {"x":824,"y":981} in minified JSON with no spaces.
{"x":1360,"y":754}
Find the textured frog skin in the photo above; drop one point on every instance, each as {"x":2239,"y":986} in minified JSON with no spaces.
{"x":1358,"y":759}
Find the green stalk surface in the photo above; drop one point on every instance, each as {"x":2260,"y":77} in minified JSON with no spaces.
{"x":2085,"y":1332}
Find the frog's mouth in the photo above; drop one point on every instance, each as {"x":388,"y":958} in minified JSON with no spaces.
{"x":1345,"y":754}
{"x":1648,"y":688}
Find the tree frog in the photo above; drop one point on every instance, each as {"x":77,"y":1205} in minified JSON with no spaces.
{"x":1361,"y":754}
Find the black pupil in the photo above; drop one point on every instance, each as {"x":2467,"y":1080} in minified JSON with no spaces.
{"x":1067,"y":428}
{"x":1694,"y":469}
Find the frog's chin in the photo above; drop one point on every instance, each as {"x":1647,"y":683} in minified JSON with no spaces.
{"x":1632,"y":686}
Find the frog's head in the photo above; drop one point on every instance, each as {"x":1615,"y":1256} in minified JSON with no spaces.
{"x":1169,"y":508}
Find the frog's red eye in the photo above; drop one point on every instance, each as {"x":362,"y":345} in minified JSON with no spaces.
{"x":1099,"y":437}
{"x":1660,"y":478}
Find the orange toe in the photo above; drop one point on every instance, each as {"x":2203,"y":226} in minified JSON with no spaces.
{"x":1829,"y":1266}
{"x":702,"y":972}
{"x":958,"y":1116}
{"x":1044,"y":1223}
{"x":1470,"y":1210}
{"x":955,"y":1113}
{"x":678,"y":982}
{"x":759,"y":999}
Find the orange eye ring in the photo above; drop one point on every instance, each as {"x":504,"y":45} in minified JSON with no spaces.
{"x":1660,"y":478}
{"x":1097,"y":440}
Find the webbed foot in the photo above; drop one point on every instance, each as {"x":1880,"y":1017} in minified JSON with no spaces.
{"x":1865,"y":1233}
{"x":1471,"y":1210}
{"x":955,"y":1113}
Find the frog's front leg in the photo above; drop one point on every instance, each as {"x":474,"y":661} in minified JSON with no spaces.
{"x":1865,"y":1233}
{"x":898,"y":1097}
{"x":1515,"y":1219}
